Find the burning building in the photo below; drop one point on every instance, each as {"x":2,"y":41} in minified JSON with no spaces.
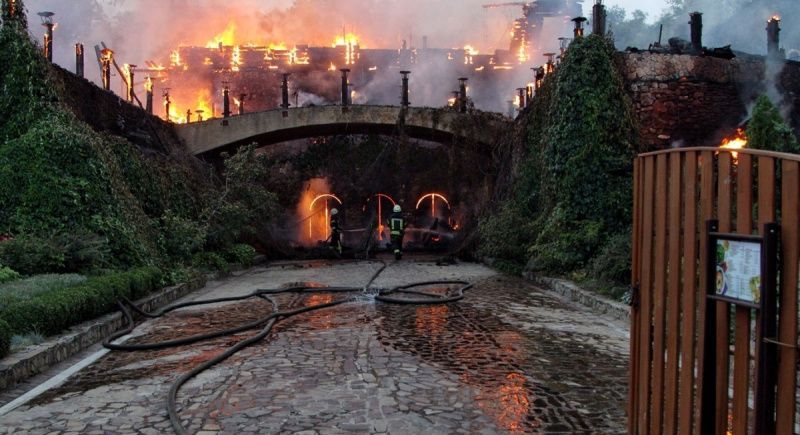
{"x":197,"y":76}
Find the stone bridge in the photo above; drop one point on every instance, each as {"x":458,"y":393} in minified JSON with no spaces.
{"x":275,"y":126}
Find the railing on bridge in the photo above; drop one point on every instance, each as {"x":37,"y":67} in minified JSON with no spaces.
{"x":676,"y":192}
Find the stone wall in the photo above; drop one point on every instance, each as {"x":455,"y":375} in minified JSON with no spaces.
{"x":684,"y":100}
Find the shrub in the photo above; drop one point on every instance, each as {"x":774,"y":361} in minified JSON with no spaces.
{"x":30,"y":255}
{"x":613,"y":263}
{"x":37,"y":285}
{"x":50,"y":313}
{"x":5,"y":338}
{"x":210,"y":261}
{"x":7,"y":274}
{"x":240,"y":254}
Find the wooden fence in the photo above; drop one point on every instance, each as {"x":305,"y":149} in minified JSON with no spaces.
{"x":676,"y":192}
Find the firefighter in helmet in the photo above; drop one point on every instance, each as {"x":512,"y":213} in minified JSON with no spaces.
{"x":397,"y":228}
{"x":336,"y":232}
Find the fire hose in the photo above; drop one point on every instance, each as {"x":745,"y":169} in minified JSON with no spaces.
{"x":268,"y":322}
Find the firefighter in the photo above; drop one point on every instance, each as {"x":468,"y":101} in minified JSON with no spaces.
{"x":397,"y":228}
{"x":336,"y":232}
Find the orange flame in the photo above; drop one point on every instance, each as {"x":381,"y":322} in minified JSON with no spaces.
{"x":736,"y":142}
{"x":148,"y":84}
{"x":227,"y":37}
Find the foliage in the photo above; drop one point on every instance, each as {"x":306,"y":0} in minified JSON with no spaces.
{"x":240,"y":254}
{"x":5,"y":338}
{"x":210,"y":261}
{"x":571,"y":201}
{"x":8,"y":274}
{"x":64,"y":252}
{"x":766,"y":129}
{"x":51,"y":312}
{"x":37,"y":285}
{"x":243,"y":205}
{"x":21,"y":341}
{"x":613,"y":263}
{"x":506,"y":235}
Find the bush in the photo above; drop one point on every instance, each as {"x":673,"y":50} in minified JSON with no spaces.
{"x":210,"y":261}
{"x":35,"y":286}
{"x":613,"y":263}
{"x":240,"y":254}
{"x":52,"y":312}
{"x":7,"y":274}
{"x":30,"y":255}
{"x":5,"y":338}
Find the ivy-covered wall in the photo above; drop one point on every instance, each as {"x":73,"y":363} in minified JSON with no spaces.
{"x":570,"y":204}
{"x":78,"y":199}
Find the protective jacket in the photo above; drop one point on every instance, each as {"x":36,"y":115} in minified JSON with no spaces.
{"x":397,"y":224}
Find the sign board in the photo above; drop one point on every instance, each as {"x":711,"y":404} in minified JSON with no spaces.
{"x":738,"y":270}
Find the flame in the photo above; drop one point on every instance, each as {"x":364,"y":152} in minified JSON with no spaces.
{"x":332,"y":67}
{"x":148,"y":84}
{"x":737,"y":142}
{"x":175,"y":58}
{"x":348,"y":39}
{"x":204,"y":103}
{"x":775,"y":17}
{"x":373,"y":68}
{"x":236,"y":58}
{"x":471,"y":50}
{"x":433,"y":197}
{"x":227,"y":37}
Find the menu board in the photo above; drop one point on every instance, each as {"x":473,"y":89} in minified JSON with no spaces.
{"x":738,"y":270}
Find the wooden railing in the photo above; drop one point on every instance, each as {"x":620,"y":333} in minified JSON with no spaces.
{"x":676,"y":192}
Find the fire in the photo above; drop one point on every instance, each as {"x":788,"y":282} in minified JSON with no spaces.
{"x":351,"y":46}
{"x":204,"y":103}
{"x":736,"y":142}
{"x":175,"y":58}
{"x":332,"y":67}
{"x":236,"y":58}
{"x":433,"y":197}
{"x":348,"y":39}
{"x":776,"y":17}
{"x":148,"y":84}
{"x":227,"y":37}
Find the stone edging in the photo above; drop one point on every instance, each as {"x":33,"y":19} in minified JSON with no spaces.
{"x":23,"y":365}
{"x":595,"y":302}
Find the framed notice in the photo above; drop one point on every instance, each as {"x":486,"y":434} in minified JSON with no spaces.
{"x":741,"y":267}
{"x":738,"y":270}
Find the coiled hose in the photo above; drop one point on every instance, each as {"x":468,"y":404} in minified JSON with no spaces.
{"x":266,"y":323}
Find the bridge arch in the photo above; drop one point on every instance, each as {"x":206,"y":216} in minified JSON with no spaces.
{"x":275,"y":126}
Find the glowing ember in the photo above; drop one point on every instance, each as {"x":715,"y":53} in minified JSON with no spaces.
{"x":433,"y":197}
{"x":736,"y":142}
{"x":148,"y":84}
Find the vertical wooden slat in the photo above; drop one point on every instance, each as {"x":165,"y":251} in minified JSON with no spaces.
{"x":673,"y":295}
{"x":723,"y":309}
{"x":659,"y":293}
{"x":643,"y":385}
{"x":706,"y":213}
{"x":741,"y":364}
{"x":689,"y":294}
{"x":787,"y":356}
{"x":635,"y":277}
{"x":766,"y":200}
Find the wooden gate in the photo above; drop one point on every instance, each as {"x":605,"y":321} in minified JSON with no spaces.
{"x":676,"y":192}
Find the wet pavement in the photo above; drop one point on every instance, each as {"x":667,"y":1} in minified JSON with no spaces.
{"x":508,"y":358}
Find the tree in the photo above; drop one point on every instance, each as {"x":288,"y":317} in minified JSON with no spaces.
{"x":767,"y":130}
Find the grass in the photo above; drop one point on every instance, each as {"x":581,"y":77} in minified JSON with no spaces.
{"x":36,"y":285}
{"x":19,"y":342}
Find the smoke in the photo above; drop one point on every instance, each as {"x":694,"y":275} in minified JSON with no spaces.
{"x":148,"y":30}
{"x":739,"y":23}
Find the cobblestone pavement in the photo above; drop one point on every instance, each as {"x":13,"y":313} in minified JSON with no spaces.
{"x":508,"y":358}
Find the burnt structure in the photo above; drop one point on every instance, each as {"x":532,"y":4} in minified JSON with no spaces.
{"x":79,"y":60}
{"x":598,"y":18}
{"x":49,"y":25}
{"x":527,"y":30}
{"x":404,"y":99}
{"x":696,"y":31}
{"x":773,"y":37}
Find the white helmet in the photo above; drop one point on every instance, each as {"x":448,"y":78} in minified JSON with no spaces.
{"x":397,"y":208}
{"x":334,"y":212}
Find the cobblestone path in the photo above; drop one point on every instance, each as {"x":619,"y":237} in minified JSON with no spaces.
{"x":508,"y":358}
